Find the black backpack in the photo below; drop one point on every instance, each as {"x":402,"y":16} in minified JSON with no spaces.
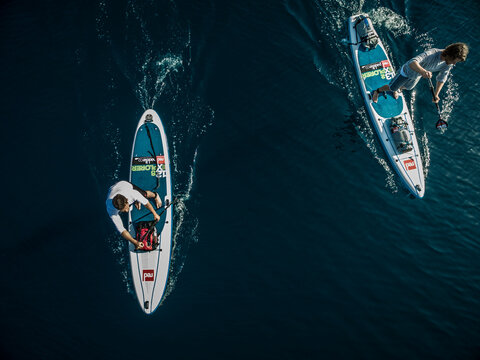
{"x":366,"y":33}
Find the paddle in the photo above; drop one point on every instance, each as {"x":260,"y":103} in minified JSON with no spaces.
{"x":168,"y":205}
{"x":441,"y":124}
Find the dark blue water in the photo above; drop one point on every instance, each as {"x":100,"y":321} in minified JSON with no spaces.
{"x":294,"y":239}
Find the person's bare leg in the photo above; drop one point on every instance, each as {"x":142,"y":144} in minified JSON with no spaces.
{"x":377,"y":92}
{"x":397,"y":93}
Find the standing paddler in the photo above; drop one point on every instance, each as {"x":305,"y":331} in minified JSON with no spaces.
{"x":432,"y":60}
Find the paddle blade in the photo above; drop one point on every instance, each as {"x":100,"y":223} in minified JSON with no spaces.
{"x":442,"y":125}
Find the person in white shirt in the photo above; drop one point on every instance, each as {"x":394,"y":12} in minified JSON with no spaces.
{"x":422,"y":66}
{"x":119,"y":199}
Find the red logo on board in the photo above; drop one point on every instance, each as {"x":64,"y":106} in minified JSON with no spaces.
{"x":148,"y":275}
{"x":160,"y":159}
{"x":385,"y":63}
{"x":410,"y":164}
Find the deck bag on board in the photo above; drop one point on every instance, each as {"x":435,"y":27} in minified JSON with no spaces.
{"x":365,"y":32}
{"x":401,"y":135}
{"x":147,"y":234}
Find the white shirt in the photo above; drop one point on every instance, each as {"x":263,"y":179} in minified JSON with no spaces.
{"x":126,"y":189}
{"x":430,"y":60}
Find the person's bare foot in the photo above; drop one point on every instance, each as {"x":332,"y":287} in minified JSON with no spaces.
{"x":396,"y":94}
{"x":375,"y":95}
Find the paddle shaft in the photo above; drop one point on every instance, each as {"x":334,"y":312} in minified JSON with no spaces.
{"x":433,"y":94}
{"x":155,"y":222}
{"x":174,"y":201}
{"x":441,"y":124}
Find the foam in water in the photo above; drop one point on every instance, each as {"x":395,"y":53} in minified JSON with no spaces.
{"x":155,"y":73}
{"x":367,"y":135}
{"x":426,"y":154}
{"x":425,"y":41}
{"x":449,"y":98}
{"x":421,"y":136}
{"x":100,"y":21}
{"x":390,"y":20}
{"x":180,"y":217}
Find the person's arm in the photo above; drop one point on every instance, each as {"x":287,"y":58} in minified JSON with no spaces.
{"x":437,"y":91}
{"x":144,"y":201}
{"x":150,"y":207}
{"x":415,"y":66}
{"x":117,"y":221}
{"x":126,"y":235}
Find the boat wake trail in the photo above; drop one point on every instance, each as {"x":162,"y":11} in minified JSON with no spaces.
{"x":156,"y":77}
{"x":151,"y":47}
{"x":366,"y":133}
{"x":185,"y":227}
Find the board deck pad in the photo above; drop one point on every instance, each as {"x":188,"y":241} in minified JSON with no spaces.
{"x":377,"y":72}
{"x":144,"y":169}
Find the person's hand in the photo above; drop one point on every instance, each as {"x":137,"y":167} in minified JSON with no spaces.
{"x":139,"y":245}
{"x":435,"y":99}
{"x":156,"y":217}
{"x":426,"y":74}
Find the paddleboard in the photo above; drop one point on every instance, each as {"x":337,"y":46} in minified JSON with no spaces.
{"x":150,"y":170}
{"x":390,"y":117}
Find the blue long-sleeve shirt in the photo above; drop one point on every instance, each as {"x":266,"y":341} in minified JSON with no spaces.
{"x":430,"y":60}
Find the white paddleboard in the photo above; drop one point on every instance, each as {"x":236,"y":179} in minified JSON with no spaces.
{"x":150,"y":170}
{"x":390,"y":117}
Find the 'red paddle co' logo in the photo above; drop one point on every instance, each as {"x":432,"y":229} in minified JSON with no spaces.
{"x":410,"y":164}
{"x":148,"y":275}
{"x":385,"y":64}
{"x":160,"y":159}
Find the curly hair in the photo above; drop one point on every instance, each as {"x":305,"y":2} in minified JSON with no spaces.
{"x":456,"y":51}
{"x":119,"y":201}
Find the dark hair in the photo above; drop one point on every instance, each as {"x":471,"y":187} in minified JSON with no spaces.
{"x":119,"y":201}
{"x":456,"y":51}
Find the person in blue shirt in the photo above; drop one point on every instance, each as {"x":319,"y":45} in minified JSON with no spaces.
{"x":422,"y":66}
